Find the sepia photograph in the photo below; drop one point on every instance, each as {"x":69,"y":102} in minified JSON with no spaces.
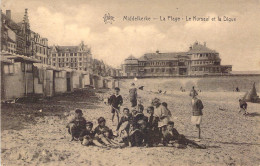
{"x":138,"y":83}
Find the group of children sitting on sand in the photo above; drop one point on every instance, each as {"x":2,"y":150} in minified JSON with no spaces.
{"x":133,"y":129}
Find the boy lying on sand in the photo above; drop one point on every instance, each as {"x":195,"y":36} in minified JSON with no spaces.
{"x":171,"y":137}
{"x":76,"y":125}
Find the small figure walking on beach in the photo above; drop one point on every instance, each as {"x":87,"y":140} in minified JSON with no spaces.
{"x":193,"y":92}
{"x":133,"y":95}
{"x":197,"y":107}
{"x":115,"y":101}
{"x":243,"y":107}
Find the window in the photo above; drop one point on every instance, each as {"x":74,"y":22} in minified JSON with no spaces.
{"x":53,"y":55}
{"x":152,"y":70}
{"x":63,"y":54}
{"x":163,"y":69}
{"x":54,"y":64}
{"x":53,"y":59}
{"x":80,"y":64}
{"x":28,"y":67}
{"x":9,"y":69}
{"x":71,"y":54}
{"x":58,"y":74}
{"x":200,"y":55}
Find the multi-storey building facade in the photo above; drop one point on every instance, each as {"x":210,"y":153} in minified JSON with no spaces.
{"x":199,"y":60}
{"x":19,"y":39}
{"x":74,"y":57}
{"x":39,"y":47}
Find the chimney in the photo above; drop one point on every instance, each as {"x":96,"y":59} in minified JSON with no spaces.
{"x":190,"y":47}
{"x":157,"y":52}
{"x":8,"y":14}
{"x":205,"y":44}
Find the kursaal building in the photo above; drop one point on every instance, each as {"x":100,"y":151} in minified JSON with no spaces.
{"x":198,"y":61}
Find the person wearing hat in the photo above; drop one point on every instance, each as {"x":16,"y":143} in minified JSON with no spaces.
{"x":76,"y":125}
{"x":133,"y":95}
{"x":115,"y":102}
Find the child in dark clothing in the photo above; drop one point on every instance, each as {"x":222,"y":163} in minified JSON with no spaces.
{"x":87,"y":136}
{"x":115,"y":101}
{"x":139,"y":136}
{"x":104,"y":134}
{"x":171,"y":137}
{"x":137,"y":116}
{"x":127,"y":117}
{"x":243,"y":107}
{"x":154,"y":135}
{"x":76,"y":125}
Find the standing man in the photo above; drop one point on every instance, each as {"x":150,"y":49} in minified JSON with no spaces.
{"x":115,"y":101}
{"x":133,"y":95}
{"x":197,"y":107}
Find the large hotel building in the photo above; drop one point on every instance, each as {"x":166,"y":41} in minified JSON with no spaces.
{"x":199,"y":60}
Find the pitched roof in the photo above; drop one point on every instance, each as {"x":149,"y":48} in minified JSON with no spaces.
{"x":199,"y":48}
{"x":71,"y":49}
{"x":10,"y":23}
{"x":163,"y":56}
{"x":131,"y":60}
{"x":131,"y":57}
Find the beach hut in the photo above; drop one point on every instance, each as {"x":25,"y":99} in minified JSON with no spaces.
{"x":60,"y":81}
{"x":76,"y":79}
{"x":98,"y":81}
{"x":111,"y":84}
{"x":17,"y":76}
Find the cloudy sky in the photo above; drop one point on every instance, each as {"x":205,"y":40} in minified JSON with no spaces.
{"x":67,"y":22}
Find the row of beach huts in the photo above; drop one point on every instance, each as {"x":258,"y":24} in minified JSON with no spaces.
{"x":23,"y":76}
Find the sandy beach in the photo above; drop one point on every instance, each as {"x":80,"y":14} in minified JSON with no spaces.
{"x":230,"y":138}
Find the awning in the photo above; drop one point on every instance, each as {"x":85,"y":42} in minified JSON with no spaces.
{"x":21,"y":58}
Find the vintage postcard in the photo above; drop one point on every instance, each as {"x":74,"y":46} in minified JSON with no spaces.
{"x":140,"y":82}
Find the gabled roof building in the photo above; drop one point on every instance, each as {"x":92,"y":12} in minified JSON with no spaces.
{"x":199,"y":60}
{"x":74,"y":57}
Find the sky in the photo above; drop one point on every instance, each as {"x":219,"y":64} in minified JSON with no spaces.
{"x":68,"y":22}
